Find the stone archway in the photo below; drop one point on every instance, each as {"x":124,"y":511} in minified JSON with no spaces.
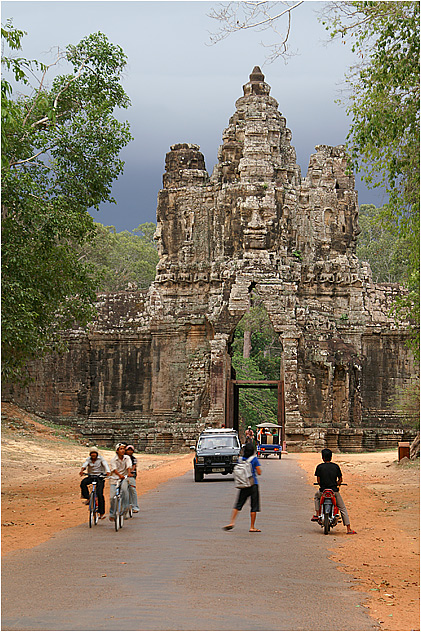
{"x":156,"y":365}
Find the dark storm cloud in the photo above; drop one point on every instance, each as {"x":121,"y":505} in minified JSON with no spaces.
{"x":185,"y":91}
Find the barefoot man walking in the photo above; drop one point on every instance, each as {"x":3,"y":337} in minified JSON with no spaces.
{"x":251,"y":492}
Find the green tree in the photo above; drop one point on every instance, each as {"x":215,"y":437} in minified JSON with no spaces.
{"x":407,"y":402}
{"x":122,"y":258}
{"x":378,"y":245}
{"x":60,"y":149}
{"x":265,"y":347}
{"x":256,"y":405}
{"x":384,"y":108}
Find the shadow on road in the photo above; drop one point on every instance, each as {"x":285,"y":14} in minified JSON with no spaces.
{"x":217,"y":480}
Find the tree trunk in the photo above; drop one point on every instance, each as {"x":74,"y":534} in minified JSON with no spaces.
{"x":247,"y":344}
{"x":415,"y":447}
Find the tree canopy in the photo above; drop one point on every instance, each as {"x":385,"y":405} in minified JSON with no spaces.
{"x":60,"y":148}
{"x":378,"y":245}
{"x":120,"y":259}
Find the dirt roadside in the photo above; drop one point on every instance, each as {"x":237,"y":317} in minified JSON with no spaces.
{"x":382,"y":498}
{"x":40,"y":497}
{"x":40,"y":481}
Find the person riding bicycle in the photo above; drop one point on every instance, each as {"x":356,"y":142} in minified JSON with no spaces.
{"x":95,"y":465}
{"x":132,"y":479}
{"x":121,"y":466}
{"x":329,"y":476}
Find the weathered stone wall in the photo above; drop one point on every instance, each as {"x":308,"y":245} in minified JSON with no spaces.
{"x":154,"y":366}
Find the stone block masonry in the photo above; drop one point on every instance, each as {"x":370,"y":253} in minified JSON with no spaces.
{"x":154,"y":366}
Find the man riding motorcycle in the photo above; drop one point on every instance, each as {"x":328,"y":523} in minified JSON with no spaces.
{"x":329,"y":476}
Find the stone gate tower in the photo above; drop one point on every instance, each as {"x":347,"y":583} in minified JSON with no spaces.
{"x":155,"y":365}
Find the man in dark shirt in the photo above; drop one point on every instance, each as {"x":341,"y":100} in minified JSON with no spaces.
{"x":329,"y":476}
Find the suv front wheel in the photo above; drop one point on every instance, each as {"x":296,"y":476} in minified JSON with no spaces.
{"x":198,"y":475}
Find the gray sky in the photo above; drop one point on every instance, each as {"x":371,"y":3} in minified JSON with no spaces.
{"x":183,"y":90}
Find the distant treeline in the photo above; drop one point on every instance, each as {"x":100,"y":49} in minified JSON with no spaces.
{"x":377,"y":244}
{"x":119,"y":259}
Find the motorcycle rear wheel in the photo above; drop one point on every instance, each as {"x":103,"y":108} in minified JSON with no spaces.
{"x":326,"y":524}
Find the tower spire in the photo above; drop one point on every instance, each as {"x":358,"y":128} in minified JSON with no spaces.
{"x":256,"y":84}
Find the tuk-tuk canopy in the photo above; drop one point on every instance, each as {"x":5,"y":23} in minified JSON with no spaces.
{"x":268,"y":425}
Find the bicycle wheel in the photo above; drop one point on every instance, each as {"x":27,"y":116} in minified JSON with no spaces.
{"x":116,"y":514}
{"x":120,"y":513}
{"x":91,"y":510}
{"x":96,"y":512}
{"x":130,"y":511}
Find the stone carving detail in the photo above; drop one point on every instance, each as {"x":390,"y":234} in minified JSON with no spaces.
{"x":154,"y":366}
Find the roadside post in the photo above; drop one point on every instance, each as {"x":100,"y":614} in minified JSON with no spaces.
{"x":403,"y":450}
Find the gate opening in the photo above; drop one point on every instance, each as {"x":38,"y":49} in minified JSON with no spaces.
{"x":232,"y":403}
{"x":256,"y":363}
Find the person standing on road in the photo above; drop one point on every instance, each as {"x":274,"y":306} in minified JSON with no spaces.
{"x":329,"y":476}
{"x":120,"y":466}
{"x":251,"y":492}
{"x":249,"y":435}
{"x":95,"y":465}
{"x":132,"y":479}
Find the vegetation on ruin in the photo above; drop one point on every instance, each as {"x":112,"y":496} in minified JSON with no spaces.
{"x":60,"y":148}
{"x":124,"y":259}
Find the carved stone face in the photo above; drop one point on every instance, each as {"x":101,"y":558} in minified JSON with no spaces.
{"x":257,"y":215}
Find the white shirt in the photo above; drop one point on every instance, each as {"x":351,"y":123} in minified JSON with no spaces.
{"x":120,"y":465}
{"x":100,"y":466}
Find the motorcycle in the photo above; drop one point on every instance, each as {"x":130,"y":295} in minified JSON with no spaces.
{"x":329,"y":514}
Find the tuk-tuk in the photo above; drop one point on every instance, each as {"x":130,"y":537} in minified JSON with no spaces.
{"x":269,"y":440}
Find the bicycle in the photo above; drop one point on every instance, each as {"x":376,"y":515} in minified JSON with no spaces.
{"x":93,"y":501}
{"x":119,"y":515}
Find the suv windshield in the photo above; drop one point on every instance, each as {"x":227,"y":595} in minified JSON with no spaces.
{"x":213,"y":443}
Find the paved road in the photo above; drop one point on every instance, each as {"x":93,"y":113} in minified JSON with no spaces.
{"x":173,"y":568}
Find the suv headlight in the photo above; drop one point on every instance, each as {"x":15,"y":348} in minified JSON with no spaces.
{"x":200,"y":459}
{"x":234,"y":458}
